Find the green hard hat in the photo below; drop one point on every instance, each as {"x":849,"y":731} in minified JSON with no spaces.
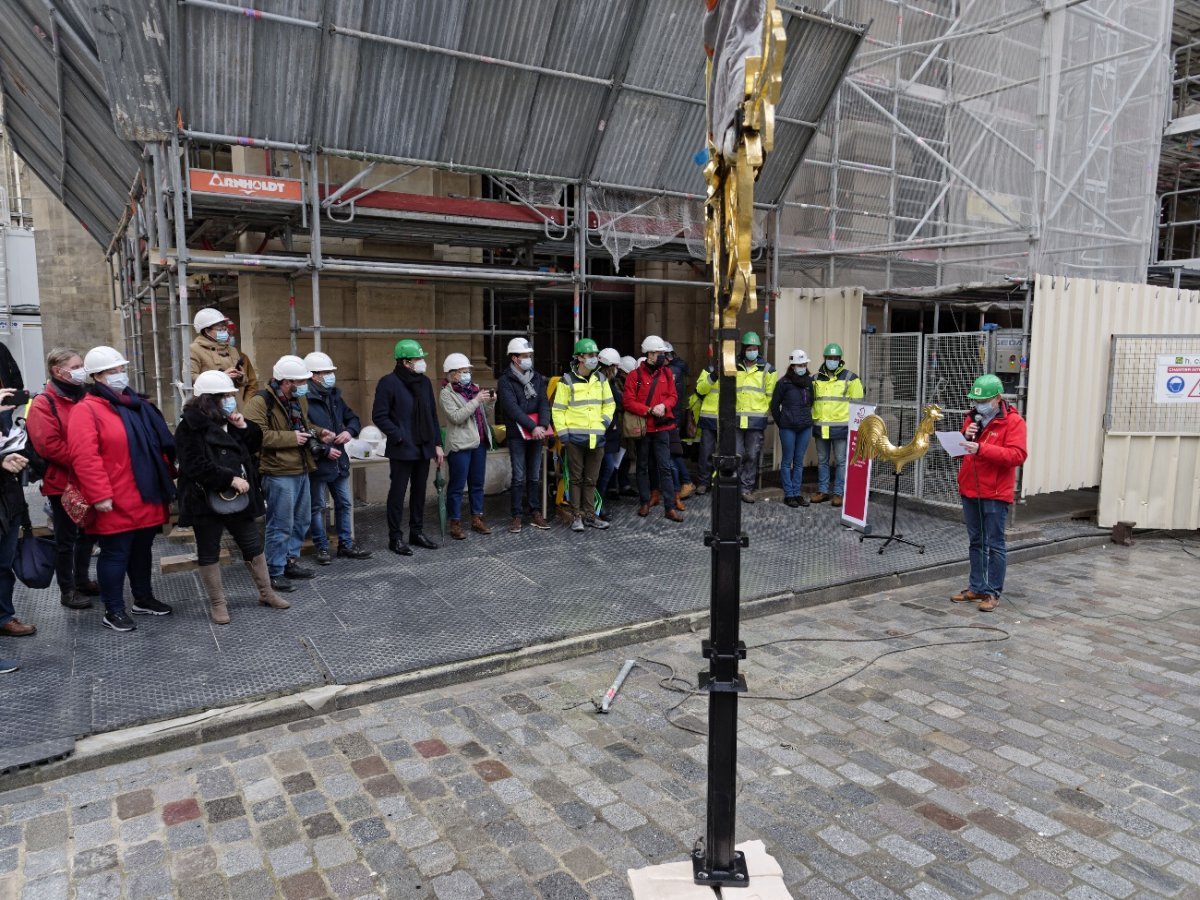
{"x":586,"y":345}
{"x":833,"y":349}
{"x":751,"y":337}
{"x":985,"y":387}
{"x":409,"y":349}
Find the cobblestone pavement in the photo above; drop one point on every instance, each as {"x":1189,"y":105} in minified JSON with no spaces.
{"x":1061,"y":762}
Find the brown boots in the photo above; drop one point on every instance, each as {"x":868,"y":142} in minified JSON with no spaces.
{"x":455,"y":530}
{"x":262,"y":581}
{"x":478,"y":525}
{"x":210,"y":577}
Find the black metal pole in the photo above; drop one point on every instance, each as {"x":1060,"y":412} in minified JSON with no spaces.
{"x":719,"y":864}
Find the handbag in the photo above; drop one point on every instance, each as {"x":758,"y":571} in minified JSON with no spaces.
{"x":633,"y":426}
{"x":228,"y":501}
{"x":78,"y":510}
{"x":34,"y":562}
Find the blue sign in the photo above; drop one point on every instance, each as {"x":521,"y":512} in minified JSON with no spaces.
{"x":1175,"y":384}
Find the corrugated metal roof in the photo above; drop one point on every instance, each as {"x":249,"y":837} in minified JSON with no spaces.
{"x":438,"y":82}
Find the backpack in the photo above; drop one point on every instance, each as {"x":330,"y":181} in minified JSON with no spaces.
{"x":36,"y":470}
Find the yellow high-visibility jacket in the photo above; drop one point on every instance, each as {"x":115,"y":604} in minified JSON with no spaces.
{"x":755,"y":385}
{"x":582,"y":409}
{"x":708,"y":388}
{"x":832,"y":393}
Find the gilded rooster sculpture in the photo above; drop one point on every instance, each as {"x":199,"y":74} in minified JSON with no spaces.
{"x":873,"y":440}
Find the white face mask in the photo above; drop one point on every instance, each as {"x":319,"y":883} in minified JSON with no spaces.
{"x":751,"y":355}
{"x":419,"y":367}
{"x":117,"y":382}
{"x":77,"y":376}
{"x":526,"y":363}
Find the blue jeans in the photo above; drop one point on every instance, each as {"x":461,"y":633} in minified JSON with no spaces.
{"x":8,"y":580}
{"x":608,"y":468}
{"x":838,"y":446}
{"x":791,"y":464}
{"x":985,"y":521}
{"x":289,"y":513}
{"x":526,"y":488}
{"x":340,"y":490}
{"x":127,"y":553}
{"x":682,"y":475}
{"x":468,"y":469}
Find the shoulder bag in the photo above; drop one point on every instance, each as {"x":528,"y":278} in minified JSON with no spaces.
{"x":633,"y":426}
{"x":228,"y":501}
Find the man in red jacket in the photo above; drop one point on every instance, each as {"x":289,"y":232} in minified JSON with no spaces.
{"x":987,"y":478}
{"x":650,"y":393}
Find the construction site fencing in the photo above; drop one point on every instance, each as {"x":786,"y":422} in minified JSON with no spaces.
{"x":891,"y":379}
{"x":1134,"y":378}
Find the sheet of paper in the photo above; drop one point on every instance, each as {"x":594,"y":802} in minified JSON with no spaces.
{"x":952,"y":442}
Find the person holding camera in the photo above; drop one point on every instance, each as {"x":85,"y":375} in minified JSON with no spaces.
{"x":218,"y":487}
{"x":12,"y":515}
{"x":650,"y":394}
{"x":290,"y":449}
{"x":468,"y":440}
{"x":213,"y":351}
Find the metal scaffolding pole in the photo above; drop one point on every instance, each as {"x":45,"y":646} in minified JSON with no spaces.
{"x":314,"y":250}
{"x":183,"y":373}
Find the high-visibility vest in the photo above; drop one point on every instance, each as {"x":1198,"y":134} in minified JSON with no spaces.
{"x":832,"y":393}
{"x":709,"y":391}
{"x":583,"y":408}
{"x":755,"y":385}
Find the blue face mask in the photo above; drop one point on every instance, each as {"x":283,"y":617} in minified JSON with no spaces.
{"x":329,"y":381}
{"x":222,"y":336}
{"x":751,"y":355}
{"x":984,"y":409}
{"x":832,"y":364}
{"x":301,"y":391}
{"x":229,"y":405}
{"x":464,"y":378}
{"x":590,"y":362}
{"x":117,"y":382}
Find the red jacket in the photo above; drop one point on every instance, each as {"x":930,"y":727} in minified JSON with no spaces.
{"x":102,"y":468}
{"x":991,"y":474}
{"x":638,"y":401}
{"x":47,"y":426}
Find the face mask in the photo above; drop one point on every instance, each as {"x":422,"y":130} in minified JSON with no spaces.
{"x":751,"y":355}
{"x":77,"y":376}
{"x":419,"y":367}
{"x":221,"y":336}
{"x":117,"y":382}
{"x":526,"y":363}
{"x":229,"y":405}
{"x":831,"y":364}
{"x":984,"y":409}
{"x":654,"y":363}
{"x":800,"y":370}
{"x":301,"y":391}
{"x":464,"y":378}
{"x":329,"y":381}
{"x":590,"y":362}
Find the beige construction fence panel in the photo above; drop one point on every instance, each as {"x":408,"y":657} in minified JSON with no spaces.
{"x":1152,"y":480}
{"x":809,"y":318}
{"x":1074,"y":320}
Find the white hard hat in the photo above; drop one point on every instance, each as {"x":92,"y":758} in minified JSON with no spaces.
{"x":207,"y":318}
{"x":456,"y":361}
{"x":214,"y":382}
{"x":609,"y":357}
{"x":101,"y":359}
{"x":290,"y":368}
{"x":319,"y":362}
{"x":519,"y":345}
{"x":628,"y":363}
{"x":798,"y":358}
{"x":668,"y":346}
{"x":370,"y":433}
{"x":653,"y":343}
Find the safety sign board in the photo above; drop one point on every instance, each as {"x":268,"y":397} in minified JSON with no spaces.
{"x":1177,"y":379}
{"x":258,"y":187}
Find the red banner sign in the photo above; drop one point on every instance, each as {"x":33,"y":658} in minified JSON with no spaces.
{"x":258,"y":187}
{"x":858,"y":475}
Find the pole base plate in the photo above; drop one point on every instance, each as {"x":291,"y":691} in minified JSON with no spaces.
{"x":736,"y":876}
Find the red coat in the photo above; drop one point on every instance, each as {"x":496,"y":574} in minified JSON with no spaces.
{"x":637,"y":393}
{"x":47,"y":428}
{"x":991,"y":474}
{"x":102,"y":468}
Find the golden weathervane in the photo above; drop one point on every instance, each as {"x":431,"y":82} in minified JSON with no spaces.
{"x":873,"y":440}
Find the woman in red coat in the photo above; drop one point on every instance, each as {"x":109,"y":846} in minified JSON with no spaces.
{"x":47,"y":420}
{"x":122,"y":459}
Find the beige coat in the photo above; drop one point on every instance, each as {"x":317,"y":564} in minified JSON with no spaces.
{"x":461,"y":433}
{"x":207,"y":356}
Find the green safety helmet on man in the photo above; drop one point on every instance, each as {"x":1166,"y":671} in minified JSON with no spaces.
{"x":586,"y":345}
{"x":751,"y":338}
{"x":409,"y":349}
{"x":833,"y":349}
{"x":985,"y":387}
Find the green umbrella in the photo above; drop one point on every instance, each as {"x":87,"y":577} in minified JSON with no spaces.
{"x":439,"y":483}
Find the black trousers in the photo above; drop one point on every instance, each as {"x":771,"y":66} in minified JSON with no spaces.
{"x":73,"y":548}
{"x":208,"y":529}
{"x":408,"y":475}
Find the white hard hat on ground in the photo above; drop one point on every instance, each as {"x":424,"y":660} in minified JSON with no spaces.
{"x":519,"y":345}
{"x":628,"y":364}
{"x":609,"y":357}
{"x":213,"y":382}
{"x":798,"y":358}
{"x":207,"y":318}
{"x":290,"y":368}
{"x":653,"y":343}
{"x":456,"y":361}
{"x":319,"y":362}
{"x":101,"y":359}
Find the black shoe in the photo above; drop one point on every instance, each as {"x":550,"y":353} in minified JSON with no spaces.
{"x":281,"y":585}
{"x":419,"y":539}
{"x":322,"y":558}
{"x":72,"y":599}
{"x":88,"y":589}
{"x":118,"y":621}
{"x":352,"y":551}
{"x":400,"y":548}
{"x":148,"y":606}
{"x":802,"y":500}
{"x":793,"y":502}
{"x":629,"y":492}
{"x":747,"y":497}
{"x":293,"y":569}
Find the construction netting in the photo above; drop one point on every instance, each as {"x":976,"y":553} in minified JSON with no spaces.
{"x":976,"y":140}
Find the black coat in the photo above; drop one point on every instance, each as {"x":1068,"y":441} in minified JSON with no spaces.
{"x":517,"y":408}
{"x":393,"y":413}
{"x":791,"y":404}
{"x":328,"y":409}
{"x":13,"y":509}
{"x":210,"y":457}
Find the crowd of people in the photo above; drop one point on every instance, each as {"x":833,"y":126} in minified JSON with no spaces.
{"x":241,"y":454}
